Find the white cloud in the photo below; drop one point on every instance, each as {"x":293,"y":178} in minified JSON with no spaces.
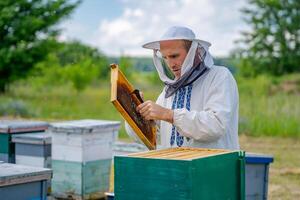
{"x":217,"y":21}
{"x":71,"y":30}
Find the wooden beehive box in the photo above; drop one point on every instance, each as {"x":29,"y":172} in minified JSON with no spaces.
{"x":33,"y":149}
{"x":125,"y":99}
{"x":10,"y":127}
{"x":81,"y":157}
{"x":180,"y":173}
{"x":23,"y":182}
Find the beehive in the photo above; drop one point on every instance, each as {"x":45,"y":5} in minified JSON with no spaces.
{"x":23,"y":182}
{"x":33,"y":149}
{"x":257,"y":175}
{"x":10,"y":127}
{"x":81,"y":157}
{"x":180,"y":173}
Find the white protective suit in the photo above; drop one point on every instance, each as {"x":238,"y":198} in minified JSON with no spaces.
{"x":205,"y":112}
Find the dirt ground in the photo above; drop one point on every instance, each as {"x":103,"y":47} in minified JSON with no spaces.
{"x":284,"y":177}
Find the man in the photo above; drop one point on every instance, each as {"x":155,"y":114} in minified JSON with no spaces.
{"x":198,"y":106}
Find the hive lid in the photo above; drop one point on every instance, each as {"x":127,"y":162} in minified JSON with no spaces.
{"x":22,"y":126}
{"x":180,"y":153}
{"x":84,"y":126}
{"x":256,"y":158}
{"x":11,"y":174}
{"x":32,"y":138}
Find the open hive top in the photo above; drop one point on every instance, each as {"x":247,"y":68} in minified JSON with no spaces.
{"x":180,"y":153}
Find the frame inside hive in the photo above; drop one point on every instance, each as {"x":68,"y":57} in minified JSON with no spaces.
{"x":180,"y":153}
{"x":124,"y":99}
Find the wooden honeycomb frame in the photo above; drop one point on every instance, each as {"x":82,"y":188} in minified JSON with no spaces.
{"x":126,"y":101}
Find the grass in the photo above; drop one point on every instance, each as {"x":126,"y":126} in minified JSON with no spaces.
{"x":64,"y":103}
{"x":268,"y":106}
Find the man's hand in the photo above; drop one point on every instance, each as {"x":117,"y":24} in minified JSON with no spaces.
{"x":152,"y":111}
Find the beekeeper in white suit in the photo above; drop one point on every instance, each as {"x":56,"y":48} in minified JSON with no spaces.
{"x":198,"y":106}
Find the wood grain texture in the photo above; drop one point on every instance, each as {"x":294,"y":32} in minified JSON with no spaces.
{"x":180,"y":153}
{"x":126,"y":101}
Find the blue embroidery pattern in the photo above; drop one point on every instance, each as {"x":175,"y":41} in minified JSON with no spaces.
{"x":172,"y":139}
{"x":178,"y":102}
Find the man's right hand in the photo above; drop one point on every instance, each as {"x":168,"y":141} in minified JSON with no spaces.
{"x":152,"y":111}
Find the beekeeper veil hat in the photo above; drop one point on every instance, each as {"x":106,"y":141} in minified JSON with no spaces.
{"x":199,"y":48}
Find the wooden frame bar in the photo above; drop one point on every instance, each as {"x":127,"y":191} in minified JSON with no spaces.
{"x":126,"y":101}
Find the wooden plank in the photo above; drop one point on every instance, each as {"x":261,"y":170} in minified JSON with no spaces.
{"x":40,"y":138}
{"x":35,"y":161}
{"x":22,"y":126}
{"x":172,"y":150}
{"x":141,"y":154}
{"x":11,"y":174}
{"x":180,"y":153}
{"x":81,"y":179}
{"x":125,"y":101}
{"x":152,"y":179}
{"x":6,"y":146}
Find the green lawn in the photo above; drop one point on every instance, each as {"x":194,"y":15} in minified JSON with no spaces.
{"x":269,"y":117}
{"x":284,"y":176}
{"x":268,"y":106}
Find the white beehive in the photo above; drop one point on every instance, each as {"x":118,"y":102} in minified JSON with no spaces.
{"x":81,"y":157}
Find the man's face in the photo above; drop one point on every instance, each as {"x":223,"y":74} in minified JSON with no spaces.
{"x":174,"y":53}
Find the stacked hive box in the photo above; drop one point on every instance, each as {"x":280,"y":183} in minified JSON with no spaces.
{"x":23,"y":182}
{"x":81,"y":157}
{"x":33,"y":149}
{"x":180,"y":173}
{"x":10,"y":127}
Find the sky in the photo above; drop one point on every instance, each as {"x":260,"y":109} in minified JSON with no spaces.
{"x":121,"y":27}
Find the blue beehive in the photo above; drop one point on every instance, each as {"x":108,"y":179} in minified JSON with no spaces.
{"x":23,"y":182}
{"x":257,"y":176}
{"x":33,"y":149}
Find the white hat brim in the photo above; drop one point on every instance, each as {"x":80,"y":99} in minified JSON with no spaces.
{"x":156,"y":46}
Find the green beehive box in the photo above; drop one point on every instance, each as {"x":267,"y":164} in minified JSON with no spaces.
{"x":181,"y":173}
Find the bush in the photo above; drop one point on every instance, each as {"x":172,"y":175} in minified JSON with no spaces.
{"x":16,"y":108}
{"x":80,"y":74}
{"x":268,"y":108}
{"x":49,"y":74}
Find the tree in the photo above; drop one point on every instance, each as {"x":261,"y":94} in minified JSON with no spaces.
{"x":27,"y":34}
{"x":72,"y":62}
{"x":273,"y":44}
{"x":74,"y":52}
{"x":125,"y":64}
